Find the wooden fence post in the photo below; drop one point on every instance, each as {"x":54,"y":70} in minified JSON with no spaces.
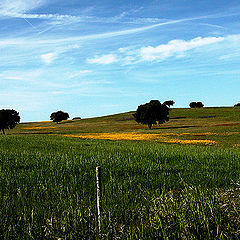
{"x":99,"y":198}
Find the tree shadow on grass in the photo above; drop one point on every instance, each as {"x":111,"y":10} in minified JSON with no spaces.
{"x":34,"y":133}
{"x":177,"y":117}
{"x":155,"y":128}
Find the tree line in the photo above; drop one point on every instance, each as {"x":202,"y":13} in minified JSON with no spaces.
{"x":149,"y":114}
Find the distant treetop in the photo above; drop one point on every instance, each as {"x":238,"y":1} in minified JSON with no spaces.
{"x":169,"y":103}
{"x":237,"y":105}
{"x":59,"y":116}
{"x":196,"y":105}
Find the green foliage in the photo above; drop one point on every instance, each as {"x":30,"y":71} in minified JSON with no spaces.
{"x":8,"y":119}
{"x":59,"y":116}
{"x":150,"y":190}
{"x":152,"y":113}
{"x":196,"y":105}
{"x":169,"y":103}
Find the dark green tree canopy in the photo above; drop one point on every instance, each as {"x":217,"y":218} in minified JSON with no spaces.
{"x":196,"y":105}
{"x":237,"y":105}
{"x":151,"y":113}
{"x":59,"y":116}
{"x":169,"y":103}
{"x":9,"y":118}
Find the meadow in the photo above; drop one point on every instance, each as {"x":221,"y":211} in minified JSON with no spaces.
{"x":179,"y":180}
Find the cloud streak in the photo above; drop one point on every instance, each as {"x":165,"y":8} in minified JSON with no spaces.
{"x":18,"y":12}
{"x":113,"y":34}
{"x":105,"y":59}
{"x":175,"y":48}
{"x":12,"y":7}
{"x":48,"y":57}
{"x":80,"y":73}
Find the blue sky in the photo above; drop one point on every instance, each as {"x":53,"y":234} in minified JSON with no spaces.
{"x":93,"y":58}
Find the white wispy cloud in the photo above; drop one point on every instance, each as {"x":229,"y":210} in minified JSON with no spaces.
{"x":105,"y":59}
{"x":56,"y":16}
{"x":19,"y":11}
{"x":27,"y":76}
{"x":175,"y":48}
{"x":79,"y":73}
{"x":39,"y":41}
{"x":230,"y":56}
{"x":5,"y":77}
{"x":212,"y":25}
{"x":48,"y":57}
{"x":11,"y":7}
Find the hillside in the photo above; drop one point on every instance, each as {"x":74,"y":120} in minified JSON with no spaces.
{"x":221,"y":124}
{"x":182,"y":179}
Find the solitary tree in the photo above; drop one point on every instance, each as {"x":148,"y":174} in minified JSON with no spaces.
{"x":9,"y":118}
{"x":59,"y":116}
{"x":196,"y":105}
{"x":192,"y":104}
{"x":169,"y":103}
{"x":151,"y":113}
{"x":237,"y":105}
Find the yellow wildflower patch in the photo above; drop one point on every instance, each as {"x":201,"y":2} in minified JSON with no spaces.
{"x":237,"y":145}
{"x":200,"y":134}
{"x":138,"y":136}
{"x":192,"y":141}
{"x":117,"y":136}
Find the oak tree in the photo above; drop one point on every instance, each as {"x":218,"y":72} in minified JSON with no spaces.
{"x":9,"y":118}
{"x":151,"y":113}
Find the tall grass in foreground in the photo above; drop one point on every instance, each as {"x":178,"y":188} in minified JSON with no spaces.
{"x":150,"y":190}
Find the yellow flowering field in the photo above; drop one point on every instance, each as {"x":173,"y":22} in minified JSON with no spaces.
{"x":192,"y":141}
{"x":138,"y":136}
{"x":201,"y":134}
{"x":117,"y":136}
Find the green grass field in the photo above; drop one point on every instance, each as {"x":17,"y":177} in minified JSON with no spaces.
{"x":223,"y":122}
{"x":151,"y":189}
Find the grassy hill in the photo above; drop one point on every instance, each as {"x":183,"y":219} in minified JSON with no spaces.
{"x":221,"y":124}
{"x":182,"y":182}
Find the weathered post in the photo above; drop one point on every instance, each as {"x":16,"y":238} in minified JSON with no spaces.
{"x":99,"y":198}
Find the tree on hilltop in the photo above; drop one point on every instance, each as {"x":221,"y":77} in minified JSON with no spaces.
{"x":237,"y":105}
{"x":151,"y":113}
{"x":169,"y":103}
{"x":196,"y":105}
{"x":59,"y":116}
{"x":9,"y":118}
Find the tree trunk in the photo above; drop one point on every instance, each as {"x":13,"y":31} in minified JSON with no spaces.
{"x":150,"y":125}
{"x":3,"y":131}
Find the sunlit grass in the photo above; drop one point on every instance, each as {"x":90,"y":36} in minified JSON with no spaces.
{"x":179,"y":180}
{"x":150,"y":190}
{"x":33,"y":128}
